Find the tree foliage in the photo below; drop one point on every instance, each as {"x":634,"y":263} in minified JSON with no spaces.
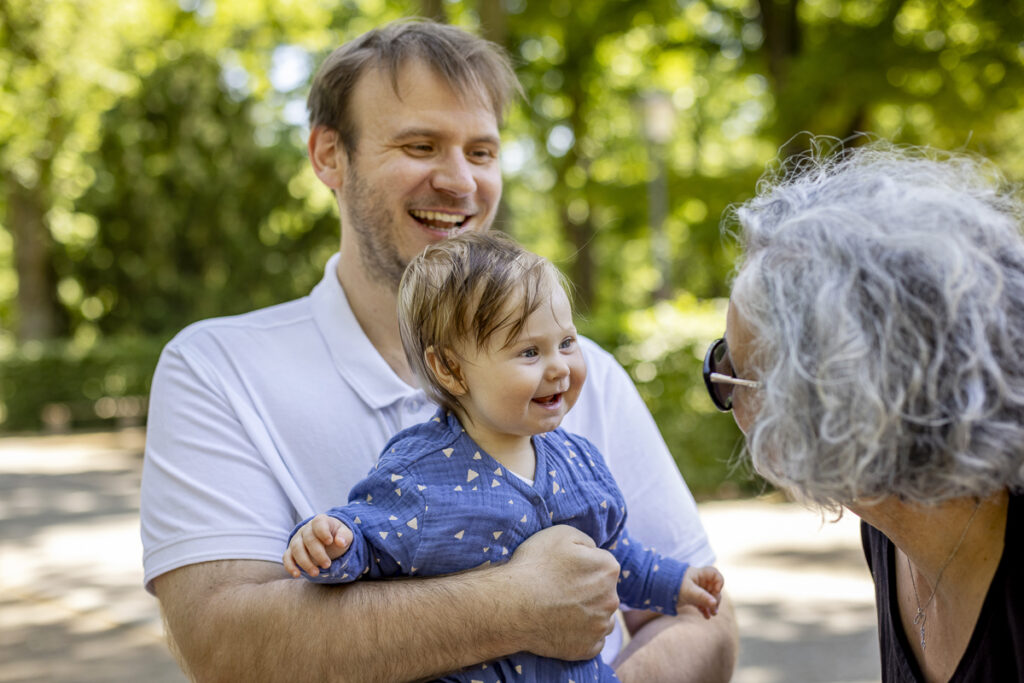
{"x":153,"y":163}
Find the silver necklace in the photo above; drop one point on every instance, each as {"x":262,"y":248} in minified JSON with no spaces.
{"x":921,"y":617}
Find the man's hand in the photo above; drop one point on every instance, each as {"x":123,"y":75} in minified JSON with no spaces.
{"x":568,"y":593}
{"x":319,"y":542}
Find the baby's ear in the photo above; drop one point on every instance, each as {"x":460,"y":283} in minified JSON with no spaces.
{"x":445,"y":369}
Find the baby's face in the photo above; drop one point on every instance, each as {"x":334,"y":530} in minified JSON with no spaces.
{"x":526,"y":387}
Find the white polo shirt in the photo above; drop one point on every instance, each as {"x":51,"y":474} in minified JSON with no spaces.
{"x":260,"y":420}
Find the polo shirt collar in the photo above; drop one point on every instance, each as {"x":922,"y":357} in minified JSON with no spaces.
{"x":355,"y":358}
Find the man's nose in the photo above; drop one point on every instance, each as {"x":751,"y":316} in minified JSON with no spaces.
{"x":454,"y":175}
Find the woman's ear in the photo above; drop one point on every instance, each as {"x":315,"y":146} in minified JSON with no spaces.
{"x":445,"y":371}
{"x":328,"y":157}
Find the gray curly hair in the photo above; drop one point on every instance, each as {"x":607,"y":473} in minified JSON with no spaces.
{"x":884,"y":289}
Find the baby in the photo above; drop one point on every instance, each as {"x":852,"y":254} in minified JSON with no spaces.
{"x":488,"y":329}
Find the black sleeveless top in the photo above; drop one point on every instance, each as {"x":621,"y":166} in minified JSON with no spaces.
{"x":996,"y":649}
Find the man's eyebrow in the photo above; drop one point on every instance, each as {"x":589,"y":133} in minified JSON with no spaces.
{"x":412,"y":133}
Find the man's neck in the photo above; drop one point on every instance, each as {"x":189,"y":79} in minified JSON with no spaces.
{"x":375,"y":306}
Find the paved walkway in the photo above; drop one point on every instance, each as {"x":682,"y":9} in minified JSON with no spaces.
{"x":72,"y":607}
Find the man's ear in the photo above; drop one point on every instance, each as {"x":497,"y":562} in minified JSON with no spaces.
{"x":447,"y":376}
{"x":328,"y":156}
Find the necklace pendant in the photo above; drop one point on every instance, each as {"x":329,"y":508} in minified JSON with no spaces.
{"x":919,"y":620}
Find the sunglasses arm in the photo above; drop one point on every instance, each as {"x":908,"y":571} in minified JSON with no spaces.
{"x":719,"y":378}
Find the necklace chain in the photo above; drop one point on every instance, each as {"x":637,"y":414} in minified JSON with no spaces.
{"x":921,"y":617}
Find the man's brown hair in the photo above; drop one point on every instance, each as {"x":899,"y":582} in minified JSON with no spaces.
{"x":472,"y":66}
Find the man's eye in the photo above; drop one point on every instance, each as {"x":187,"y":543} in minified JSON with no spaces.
{"x":422,"y":148}
{"x":482,"y":155}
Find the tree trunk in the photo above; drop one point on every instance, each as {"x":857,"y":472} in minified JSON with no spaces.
{"x":781,"y":36}
{"x":433,"y":9}
{"x":492,"y":21}
{"x":37,"y":308}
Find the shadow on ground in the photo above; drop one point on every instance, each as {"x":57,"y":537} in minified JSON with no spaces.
{"x":72,"y":606}
{"x":827,"y":644}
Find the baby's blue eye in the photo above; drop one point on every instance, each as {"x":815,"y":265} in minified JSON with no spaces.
{"x":529,"y":353}
{"x":567,"y":343}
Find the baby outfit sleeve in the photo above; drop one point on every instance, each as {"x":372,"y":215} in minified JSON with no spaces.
{"x":385,"y":513}
{"x":647,"y":580}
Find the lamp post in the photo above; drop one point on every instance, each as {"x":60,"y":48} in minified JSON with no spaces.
{"x":658,"y":125}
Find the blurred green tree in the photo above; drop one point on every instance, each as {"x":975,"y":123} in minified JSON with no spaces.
{"x":152,"y":153}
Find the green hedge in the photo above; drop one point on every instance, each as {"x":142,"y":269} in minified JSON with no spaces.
{"x":60,"y":385}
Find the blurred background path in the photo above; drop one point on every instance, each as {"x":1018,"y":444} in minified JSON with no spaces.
{"x":72,"y":607}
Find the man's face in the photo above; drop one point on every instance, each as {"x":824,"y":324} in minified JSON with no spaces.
{"x":425,"y":167}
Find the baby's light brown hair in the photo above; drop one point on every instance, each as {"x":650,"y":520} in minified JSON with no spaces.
{"x":463,"y":291}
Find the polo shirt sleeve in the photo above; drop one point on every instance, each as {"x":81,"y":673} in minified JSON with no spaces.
{"x":213,"y":485}
{"x":386,"y":515}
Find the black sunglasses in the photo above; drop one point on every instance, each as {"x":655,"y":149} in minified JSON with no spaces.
{"x":720,"y":378}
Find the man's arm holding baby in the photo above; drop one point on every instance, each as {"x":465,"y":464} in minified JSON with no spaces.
{"x":240,"y":619}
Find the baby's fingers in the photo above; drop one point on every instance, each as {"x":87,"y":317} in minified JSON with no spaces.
{"x":289,"y":564}
{"x":300,"y":556}
{"x":343,"y":537}
{"x":710,"y":579}
{"x":321,"y":526}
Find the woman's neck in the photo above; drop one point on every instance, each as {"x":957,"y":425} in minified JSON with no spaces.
{"x":946,"y":556}
{"x":928,"y":534}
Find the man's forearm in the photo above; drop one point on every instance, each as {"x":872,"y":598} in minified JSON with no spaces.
{"x":262,"y":626}
{"x":682,"y":649}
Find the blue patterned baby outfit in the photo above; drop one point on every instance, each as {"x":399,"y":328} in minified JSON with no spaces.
{"x":436,"y":503}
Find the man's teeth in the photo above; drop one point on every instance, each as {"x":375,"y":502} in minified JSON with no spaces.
{"x":436,"y":219}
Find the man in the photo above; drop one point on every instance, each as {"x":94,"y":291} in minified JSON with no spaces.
{"x":258,"y":421}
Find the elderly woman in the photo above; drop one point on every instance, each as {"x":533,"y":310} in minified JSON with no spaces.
{"x":874,"y":358}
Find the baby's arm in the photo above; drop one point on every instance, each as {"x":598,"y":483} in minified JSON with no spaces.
{"x":316,"y":544}
{"x":647,"y":579}
{"x":660,"y":583}
{"x":382,"y":525}
{"x":702,"y":588}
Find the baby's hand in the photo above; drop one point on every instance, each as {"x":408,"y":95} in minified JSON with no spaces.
{"x":702,"y":588}
{"x":320,"y":541}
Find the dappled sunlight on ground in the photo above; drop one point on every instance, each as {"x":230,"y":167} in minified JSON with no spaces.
{"x":803,"y":594}
{"x":72,"y":606}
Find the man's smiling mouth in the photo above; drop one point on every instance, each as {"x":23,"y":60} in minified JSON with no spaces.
{"x":439,"y":220}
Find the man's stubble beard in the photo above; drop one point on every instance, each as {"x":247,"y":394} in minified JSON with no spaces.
{"x":371,"y":221}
